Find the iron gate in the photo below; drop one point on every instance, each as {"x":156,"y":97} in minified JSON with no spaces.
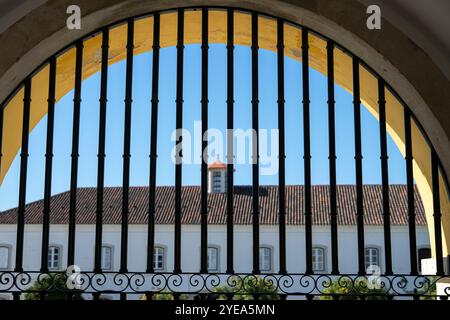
{"x":205,"y":283}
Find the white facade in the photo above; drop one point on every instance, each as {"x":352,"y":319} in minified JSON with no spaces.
{"x":164,"y":235}
{"x":190,"y":260}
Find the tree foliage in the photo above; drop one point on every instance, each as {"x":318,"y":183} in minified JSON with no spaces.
{"x":165,"y":295}
{"x":347,"y":289}
{"x":53,"y":286}
{"x":249,"y":288}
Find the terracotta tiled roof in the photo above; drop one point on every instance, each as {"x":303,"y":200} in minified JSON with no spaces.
{"x":346,"y":196}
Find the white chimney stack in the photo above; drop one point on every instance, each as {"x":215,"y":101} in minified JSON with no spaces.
{"x":217,"y":177}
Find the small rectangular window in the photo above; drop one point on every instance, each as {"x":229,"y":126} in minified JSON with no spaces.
{"x":158,"y":258}
{"x":213,"y":259}
{"x":318,"y":257}
{"x":4,"y":257}
{"x":265,"y":259}
{"x":423,"y":253}
{"x":106,"y":262}
{"x":372,"y":257}
{"x":54,"y":258}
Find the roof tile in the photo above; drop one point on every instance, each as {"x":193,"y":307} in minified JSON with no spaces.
{"x":191,"y":199}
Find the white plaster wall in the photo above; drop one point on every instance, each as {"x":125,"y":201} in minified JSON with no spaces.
{"x":137,"y":245}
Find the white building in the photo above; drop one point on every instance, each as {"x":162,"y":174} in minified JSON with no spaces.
{"x":190,"y":255}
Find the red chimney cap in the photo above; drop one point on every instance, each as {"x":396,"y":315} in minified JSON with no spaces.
{"x":217,"y":165}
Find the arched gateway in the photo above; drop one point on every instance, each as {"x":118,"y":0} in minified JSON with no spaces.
{"x":425,"y":195}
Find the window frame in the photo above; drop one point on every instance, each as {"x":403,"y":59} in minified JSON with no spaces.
{"x":60,"y":256}
{"x":378,"y":250}
{"x":216,"y":181}
{"x":419,"y":261}
{"x":8,"y":258}
{"x":164,"y":257}
{"x":217,"y":248}
{"x":270,"y":248}
{"x":324,"y":258}
{"x":111,"y":247}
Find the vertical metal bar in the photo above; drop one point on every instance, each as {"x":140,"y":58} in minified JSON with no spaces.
{"x":126,"y":148}
{"x":75,"y":155}
{"x":2,"y":112}
{"x":22,"y":180}
{"x":385,"y":177}
{"x":153,"y":142}
{"x":23,"y":176}
{"x":179,"y":126}
{"x":410,"y":193}
{"x":282,"y":154}
{"x":255,"y":147}
{"x":358,"y":167}
{"x":101,"y":152}
{"x":48,"y":165}
{"x":230,"y":128}
{"x":126,"y":151}
{"x":437,"y":215}
{"x":332,"y":158}
{"x":204,"y":166}
{"x":307,"y":151}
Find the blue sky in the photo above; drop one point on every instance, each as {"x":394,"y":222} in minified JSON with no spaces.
{"x":140,"y":146}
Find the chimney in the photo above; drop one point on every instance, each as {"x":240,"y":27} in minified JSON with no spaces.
{"x":217,"y":177}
